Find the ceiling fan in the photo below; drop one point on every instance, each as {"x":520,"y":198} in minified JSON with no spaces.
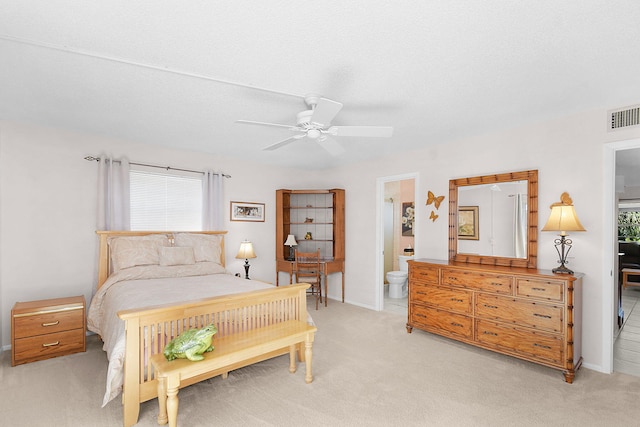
{"x":315,"y":124}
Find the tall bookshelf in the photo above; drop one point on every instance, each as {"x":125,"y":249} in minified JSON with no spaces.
{"x":316,"y":219}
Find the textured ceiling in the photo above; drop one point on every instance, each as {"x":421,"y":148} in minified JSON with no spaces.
{"x":179,"y":74}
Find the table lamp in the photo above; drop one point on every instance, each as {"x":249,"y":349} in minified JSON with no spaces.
{"x":246,"y":252}
{"x":291,"y":242}
{"x":563,"y":218}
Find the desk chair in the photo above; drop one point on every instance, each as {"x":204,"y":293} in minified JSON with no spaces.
{"x":307,"y":270}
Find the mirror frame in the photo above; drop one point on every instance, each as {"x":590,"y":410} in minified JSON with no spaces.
{"x":532,"y":219}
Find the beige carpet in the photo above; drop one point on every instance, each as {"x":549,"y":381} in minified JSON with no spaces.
{"x":367,"y":372}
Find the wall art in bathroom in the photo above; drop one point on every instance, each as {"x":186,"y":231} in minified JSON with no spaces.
{"x":408,"y":210}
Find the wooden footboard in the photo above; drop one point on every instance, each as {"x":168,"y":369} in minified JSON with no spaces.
{"x":149,"y":330}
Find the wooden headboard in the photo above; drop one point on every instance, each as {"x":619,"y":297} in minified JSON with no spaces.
{"x":104,"y":257}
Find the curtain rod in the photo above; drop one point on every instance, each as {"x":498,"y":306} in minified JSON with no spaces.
{"x":97,"y":159}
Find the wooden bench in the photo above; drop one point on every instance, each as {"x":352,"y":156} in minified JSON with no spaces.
{"x":629,"y":272}
{"x":238,"y":349}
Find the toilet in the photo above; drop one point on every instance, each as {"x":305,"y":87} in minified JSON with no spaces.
{"x":398,"y":279}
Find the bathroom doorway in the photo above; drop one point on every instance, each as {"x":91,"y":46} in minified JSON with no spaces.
{"x":397,"y":232}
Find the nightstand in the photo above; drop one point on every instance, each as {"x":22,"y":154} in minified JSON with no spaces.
{"x":47,"y":328}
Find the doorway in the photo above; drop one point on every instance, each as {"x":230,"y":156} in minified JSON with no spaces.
{"x":397,"y":230}
{"x":626,"y":346}
{"x":610,"y":292}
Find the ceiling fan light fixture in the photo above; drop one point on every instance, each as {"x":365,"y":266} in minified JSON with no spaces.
{"x":313,"y":133}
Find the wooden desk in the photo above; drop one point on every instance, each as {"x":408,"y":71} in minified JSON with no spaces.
{"x":328,"y":266}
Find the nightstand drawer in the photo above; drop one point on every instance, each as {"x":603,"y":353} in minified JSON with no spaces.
{"x":47,"y":328}
{"x":49,"y":345}
{"x":28,"y":326}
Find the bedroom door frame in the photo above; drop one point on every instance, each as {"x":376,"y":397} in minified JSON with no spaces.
{"x":610,"y":251}
{"x":380,"y":182}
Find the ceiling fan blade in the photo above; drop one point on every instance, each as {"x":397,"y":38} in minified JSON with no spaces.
{"x":331,"y":145}
{"x":283,"y":142}
{"x":366,"y":131}
{"x":325,"y":111}
{"x":251,"y":122}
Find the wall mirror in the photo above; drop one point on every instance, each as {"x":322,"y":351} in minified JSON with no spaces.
{"x":493,"y":219}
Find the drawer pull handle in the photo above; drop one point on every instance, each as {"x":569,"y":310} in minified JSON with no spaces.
{"x":420,"y":315}
{"x":539,"y":289}
{"x":456,"y":324}
{"x":496,"y":283}
{"x":490,"y":333}
{"x":51,"y":344}
{"x":51,"y":324}
{"x":490,"y":306}
{"x":542,"y":315}
{"x":456,"y":300}
{"x":541,"y":346}
{"x":421,"y":293}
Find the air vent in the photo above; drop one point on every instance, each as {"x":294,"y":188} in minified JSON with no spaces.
{"x":629,"y":116}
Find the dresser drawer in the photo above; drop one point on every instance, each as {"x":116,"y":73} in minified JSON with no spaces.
{"x":487,"y":282}
{"x":49,"y":345}
{"x":446,"y":298}
{"x":38,"y":324}
{"x":443,"y":321}
{"x":547,"y":289}
{"x":543,"y":347}
{"x":423,"y":274}
{"x":520,"y":312}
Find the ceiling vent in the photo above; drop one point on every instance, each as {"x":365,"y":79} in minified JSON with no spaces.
{"x":623,"y":118}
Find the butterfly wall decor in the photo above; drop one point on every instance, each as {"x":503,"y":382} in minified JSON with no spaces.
{"x":436,"y":200}
{"x":433,"y":216}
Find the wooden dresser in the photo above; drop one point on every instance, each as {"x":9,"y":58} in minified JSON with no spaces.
{"x":47,"y":328}
{"x":527,"y":313}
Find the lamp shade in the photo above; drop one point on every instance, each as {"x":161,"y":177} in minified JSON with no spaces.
{"x":563,"y":217}
{"x":291,"y":240}
{"x":246,"y":250}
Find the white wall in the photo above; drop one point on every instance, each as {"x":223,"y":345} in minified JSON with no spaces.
{"x":48,"y":246}
{"x":47,"y":206}
{"x":568,"y":153}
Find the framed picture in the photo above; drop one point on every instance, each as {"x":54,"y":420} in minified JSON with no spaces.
{"x":243,"y":211}
{"x":408,"y":209}
{"x":468,"y":223}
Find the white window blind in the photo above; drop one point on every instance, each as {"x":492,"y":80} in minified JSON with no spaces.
{"x":164,"y":201}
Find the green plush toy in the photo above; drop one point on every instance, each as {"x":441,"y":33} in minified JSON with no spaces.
{"x":191,"y":344}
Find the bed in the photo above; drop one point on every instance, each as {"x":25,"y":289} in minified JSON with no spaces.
{"x":154,"y":285}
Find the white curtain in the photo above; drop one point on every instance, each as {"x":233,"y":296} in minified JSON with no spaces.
{"x":520,"y":226}
{"x":113,"y":194}
{"x":212,"y":209}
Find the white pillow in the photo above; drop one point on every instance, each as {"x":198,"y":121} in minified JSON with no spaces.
{"x":131,"y":251}
{"x":176,"y":256}
{"x":206,"y":247}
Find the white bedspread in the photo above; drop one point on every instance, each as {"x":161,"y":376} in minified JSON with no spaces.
{"x":139,"y":287}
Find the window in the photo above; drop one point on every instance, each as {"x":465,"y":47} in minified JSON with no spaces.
{"x":165,"y":201}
